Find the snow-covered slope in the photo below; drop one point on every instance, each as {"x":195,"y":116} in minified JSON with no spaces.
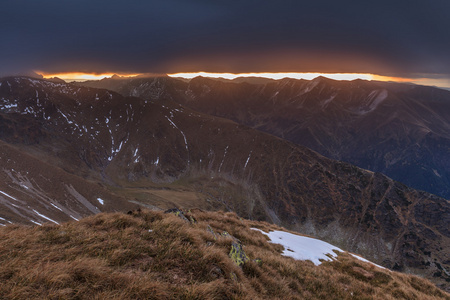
{"x":305,"y":248}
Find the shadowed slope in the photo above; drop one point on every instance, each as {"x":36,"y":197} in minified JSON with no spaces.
{"x":37,"y":192}
{"x":400,"y":130}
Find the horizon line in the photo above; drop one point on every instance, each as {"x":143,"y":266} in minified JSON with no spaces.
{"x":80,"y":76}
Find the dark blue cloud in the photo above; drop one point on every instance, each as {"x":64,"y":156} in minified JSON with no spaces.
{"x":390,"y":37}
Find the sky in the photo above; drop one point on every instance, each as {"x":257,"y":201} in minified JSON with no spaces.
{"x":407,"y":39}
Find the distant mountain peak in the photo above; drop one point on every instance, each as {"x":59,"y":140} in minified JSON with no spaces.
{"x":56,"y":80}
{"x":321,"y":78}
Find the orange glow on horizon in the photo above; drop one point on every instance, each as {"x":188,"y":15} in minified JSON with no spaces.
{"x":276,"y":76}
{"x":395,"y":79}
{"x":79,"y":76}
{"x":443,"y":83}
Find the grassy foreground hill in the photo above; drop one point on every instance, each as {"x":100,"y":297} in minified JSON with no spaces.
{"x":152,"y":255}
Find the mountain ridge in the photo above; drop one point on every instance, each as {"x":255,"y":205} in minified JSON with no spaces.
{"x":401,"y":130}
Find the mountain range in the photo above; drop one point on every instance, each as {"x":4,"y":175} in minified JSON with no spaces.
{"x":69,"y":151}
{"x":401,"y":130}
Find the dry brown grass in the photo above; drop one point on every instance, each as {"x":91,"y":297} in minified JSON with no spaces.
{"x":115,"y":256}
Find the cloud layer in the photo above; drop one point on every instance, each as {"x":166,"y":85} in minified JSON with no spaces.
{"x":402,"y":38}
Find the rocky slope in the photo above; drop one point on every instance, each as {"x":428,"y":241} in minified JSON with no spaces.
{"x":397,"y":129}
{"x":134,"y":145}
{"x":32,"y":191}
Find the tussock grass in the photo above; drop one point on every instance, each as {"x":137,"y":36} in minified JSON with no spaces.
{"x":152,"y":255}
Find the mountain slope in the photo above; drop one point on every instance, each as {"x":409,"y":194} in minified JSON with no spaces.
{"x":147,"y":152}
{"x":34,"y":191}
{"x":397,"y":129}
{"x":151,"y":255}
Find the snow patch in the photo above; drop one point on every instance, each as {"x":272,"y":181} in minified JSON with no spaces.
{"x":367,"y":261}
{"x":248,"y":158}
{"x":101,"y":201}
{"x":3,"y":219}
{"x":67,"y":119}
{"x":302,"y":247}
{"x":135,"y":156}
{"x":45,"y":217}
{"x":436,"y":173}
{"x":224,"y":154}
{"x":56,"y":206}
{"x":184,"y":136}
{"x":37,"y":223}
{"x":9,"y":106}
{"x":8,"y":196}
{"x":306,"y":248}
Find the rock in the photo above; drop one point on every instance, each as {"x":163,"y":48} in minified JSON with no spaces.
{"x":237,"y":254}
{"x":210,"y":230}
{"x":177,"y":212}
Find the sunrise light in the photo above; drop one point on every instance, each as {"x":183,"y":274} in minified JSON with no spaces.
{"x":444,"y":82}
{"x":276,"y":76}
{"x":78,"y":76}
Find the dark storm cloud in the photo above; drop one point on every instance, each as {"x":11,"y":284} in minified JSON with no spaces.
{"x":389,"y":37}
